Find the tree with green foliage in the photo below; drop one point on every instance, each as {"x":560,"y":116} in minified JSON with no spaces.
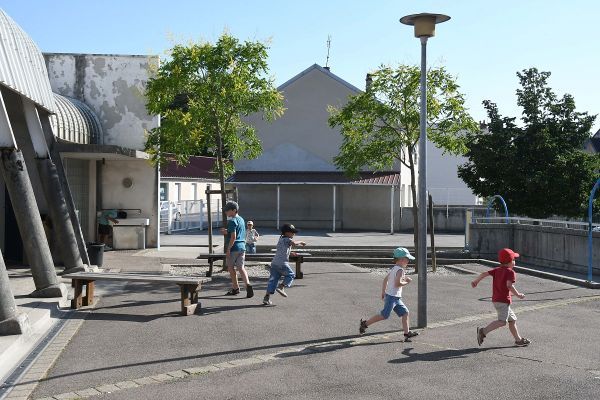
{"x":202,"y":92}
{"x":539,"y":167}
{"x":380,"y":127}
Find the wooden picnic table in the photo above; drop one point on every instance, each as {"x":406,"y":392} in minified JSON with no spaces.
{"x":189,"y":286}
{"x":296,"y":257}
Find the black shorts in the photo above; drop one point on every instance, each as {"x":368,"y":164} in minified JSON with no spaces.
{"x":104,"y":229}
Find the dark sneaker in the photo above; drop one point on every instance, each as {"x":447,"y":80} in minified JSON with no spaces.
{"x":281,"y":290}
{"x":363,"y":327}
{"x":233,"y":292}
{"x":409,"y":335}
{"x":267,"y":301}
{"x":480,"y":336}
{"x":523,"y":342}
{"x":249,"y":291}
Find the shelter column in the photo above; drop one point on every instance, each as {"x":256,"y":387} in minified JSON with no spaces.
{"x":30,"y":225}
{"x":11,"y":322}
{"x":61,"y":220}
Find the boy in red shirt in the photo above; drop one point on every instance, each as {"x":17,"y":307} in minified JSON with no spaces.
{"x":503,"y":286}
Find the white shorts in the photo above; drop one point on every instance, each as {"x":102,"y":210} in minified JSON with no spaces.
{"x":505,"y":313}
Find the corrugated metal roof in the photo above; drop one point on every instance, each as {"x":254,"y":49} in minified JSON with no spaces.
{"x":384,"y":178}
{"x":75,"y":121}
{"x":22,"y":66}
{"x":197,"y":168}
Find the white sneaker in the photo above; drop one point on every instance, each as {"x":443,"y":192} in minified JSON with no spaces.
{"x":280,"y":289}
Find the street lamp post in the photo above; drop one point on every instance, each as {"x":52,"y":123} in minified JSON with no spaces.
{"x":424,"y":29}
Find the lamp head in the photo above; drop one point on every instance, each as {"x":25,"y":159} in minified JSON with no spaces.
{"x":424,"y":23}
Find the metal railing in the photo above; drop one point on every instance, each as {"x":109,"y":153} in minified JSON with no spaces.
{"x":181,"y":215}
{"x":185,"y":215}
{"x":553,"y":223}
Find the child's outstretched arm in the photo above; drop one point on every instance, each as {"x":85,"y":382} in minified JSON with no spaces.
{"x":298,"y":243}
{"x":511,"y":286}
{"x":479,"y":278}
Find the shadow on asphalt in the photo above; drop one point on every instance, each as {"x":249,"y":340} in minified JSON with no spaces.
{"x":222,"y":353}
{"x":440,"y":355}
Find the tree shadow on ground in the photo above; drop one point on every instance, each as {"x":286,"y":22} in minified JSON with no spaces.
{"x":441,"y":355}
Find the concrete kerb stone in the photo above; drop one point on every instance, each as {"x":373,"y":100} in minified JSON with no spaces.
{"x":44,"y":362}
{"x":201,"y":370}
{"x":126,"y":385}
{"x":107,"y":388}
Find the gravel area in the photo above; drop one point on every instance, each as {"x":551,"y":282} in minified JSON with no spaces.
{"x":382,"y":270}
{"x":255,"y":270}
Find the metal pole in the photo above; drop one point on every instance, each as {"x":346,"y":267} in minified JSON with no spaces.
{"x":590,"y":236}
{"x":334,"y":208}
{"x":278,"y":198}
{"x":422,"y":207}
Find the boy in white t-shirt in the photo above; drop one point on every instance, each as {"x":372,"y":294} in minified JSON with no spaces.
{"x":391,"y":294}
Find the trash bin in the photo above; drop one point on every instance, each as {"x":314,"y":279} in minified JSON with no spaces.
{"x":96,"y":253}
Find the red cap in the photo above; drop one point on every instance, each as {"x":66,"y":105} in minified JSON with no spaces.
{"x":506,"y":255}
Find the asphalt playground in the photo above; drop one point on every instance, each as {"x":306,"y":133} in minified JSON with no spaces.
{"x":134,"y":345}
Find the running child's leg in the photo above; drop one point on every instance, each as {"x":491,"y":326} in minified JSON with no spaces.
{"x":273,"y":280}
{"x":492,"y":326}
{"x":288,"y":276}
{"x":375,"y":318}
{"x":512,"y":327}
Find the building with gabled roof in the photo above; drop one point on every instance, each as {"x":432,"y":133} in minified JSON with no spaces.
{"x":295,"y":178}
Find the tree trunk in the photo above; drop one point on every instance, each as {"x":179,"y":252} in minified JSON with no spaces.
{"x":413,"y":192}
{"x":222,"y":182}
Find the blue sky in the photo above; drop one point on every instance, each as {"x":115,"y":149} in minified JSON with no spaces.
{"x":484,"y":43}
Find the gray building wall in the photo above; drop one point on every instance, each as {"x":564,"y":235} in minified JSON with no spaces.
{"x":113,"y":86}
{"x":311,"y":206}
{"x":301,"y":139}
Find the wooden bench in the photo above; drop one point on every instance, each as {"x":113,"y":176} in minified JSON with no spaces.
{"x":189,"y":286}
{"x":298,"y":258}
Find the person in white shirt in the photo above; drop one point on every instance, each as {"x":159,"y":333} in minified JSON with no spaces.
{"x":391,"y":294}
{"x":251,"y":238}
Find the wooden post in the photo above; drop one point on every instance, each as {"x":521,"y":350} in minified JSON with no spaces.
{"x":432,"y":234}
{"x":209,"y":218}
{"x":77,"y":301}
{"x":88,"y":299}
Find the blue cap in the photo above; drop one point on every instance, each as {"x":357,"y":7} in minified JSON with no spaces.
{"x":403,"y":252}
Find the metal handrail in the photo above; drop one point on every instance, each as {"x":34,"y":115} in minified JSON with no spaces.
{"x":538,"y":222}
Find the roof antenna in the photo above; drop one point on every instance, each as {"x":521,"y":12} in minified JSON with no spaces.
{"x":328,"y":47}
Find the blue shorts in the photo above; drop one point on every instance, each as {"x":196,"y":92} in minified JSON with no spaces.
{"x":393,"y":303}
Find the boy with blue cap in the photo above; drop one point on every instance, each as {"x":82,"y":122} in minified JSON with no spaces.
{"x":391,"y":294}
